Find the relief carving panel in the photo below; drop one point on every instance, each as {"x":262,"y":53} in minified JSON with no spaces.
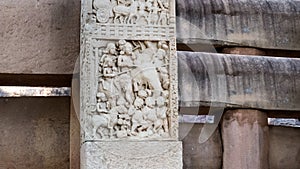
{"x":155,"y":12}
{"x":128,"y":85}
{"x":128,"y":70}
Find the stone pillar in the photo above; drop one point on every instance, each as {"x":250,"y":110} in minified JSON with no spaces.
{"x":128,"y":85}
{"x":245,"y":139}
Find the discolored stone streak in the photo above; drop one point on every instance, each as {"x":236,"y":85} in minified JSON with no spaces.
{"x":266,"y":24}
{"x":239,"y":81}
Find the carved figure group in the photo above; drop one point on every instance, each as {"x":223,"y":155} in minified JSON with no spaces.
{"x":133,"y":89}
{"x":154,"y":12}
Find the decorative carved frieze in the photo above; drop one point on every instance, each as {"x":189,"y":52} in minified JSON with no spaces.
{"x":146,"y":12}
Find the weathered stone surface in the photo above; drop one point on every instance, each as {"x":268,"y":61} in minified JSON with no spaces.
{"x":265,"y":24}
{"x":140,"y":155}
{"x":195,"y":155}
{"x":245,"y":137}
{"x":284,"y":148}
{"x":39,"y":36}
{"x":239,"y":81}
{"x":34,"y":133}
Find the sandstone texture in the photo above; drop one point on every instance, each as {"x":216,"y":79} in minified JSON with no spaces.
{"x":39,"y":37}
{"x":284,"y":147}
{"x":34,"y":133}
{"x":263,"y":24}
{"x":140,"y":155}
{"x":207,"y":155}
{"x":245,"y":137}
{"x":238,"y":81}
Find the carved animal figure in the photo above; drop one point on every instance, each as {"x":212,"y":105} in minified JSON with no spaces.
{"x":124,"y":13}
{"x":103,"y":121}
{"x":146,"y":73}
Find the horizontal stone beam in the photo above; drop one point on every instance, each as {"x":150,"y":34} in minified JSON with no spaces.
{"x":264,"y":24}
{"x":42,"y":37}
{"x":239,"y":81}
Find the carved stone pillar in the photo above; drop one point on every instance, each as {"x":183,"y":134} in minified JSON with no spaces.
{"x":245,"y":134}
{"x":128,"y":85}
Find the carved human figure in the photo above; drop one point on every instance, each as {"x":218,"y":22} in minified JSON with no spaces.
{"x":109,"y":68}
{"x":120,"y":107}
{"x":162,"y":112}
{"x":108,"y":61}
{"x":158,"y":58}
{"x":164,"y":16}
{"x":154,"y":13}
{"x":108,"y":87}
{"x":102,"y":104}
{"x":126,"y":57}
{"x":124,"y":85}
{"x":138,"y":121}
{"x":150,"y":115}
{"x":142,"y":13}
{"x":111,"y":52}
{"x":160,"y":61}
{"x":164,"y":77}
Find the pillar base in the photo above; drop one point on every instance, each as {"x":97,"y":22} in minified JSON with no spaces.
{"x":132,"y":155}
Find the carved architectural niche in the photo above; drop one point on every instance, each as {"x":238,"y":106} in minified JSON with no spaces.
{"x":128,"y":72}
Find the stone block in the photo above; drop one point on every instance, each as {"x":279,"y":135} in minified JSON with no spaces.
{"x":241,"y":81}
{"x":245,"y":135}
{"x":263,"y":24}
{"x":39,"y":36}
{"x":207,"y":155}
{"x":284,"y":148}
{"x":34,"y":133}
{"x":131,"y":155}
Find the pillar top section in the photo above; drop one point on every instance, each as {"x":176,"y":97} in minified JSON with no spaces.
{"x":129,"y":19}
